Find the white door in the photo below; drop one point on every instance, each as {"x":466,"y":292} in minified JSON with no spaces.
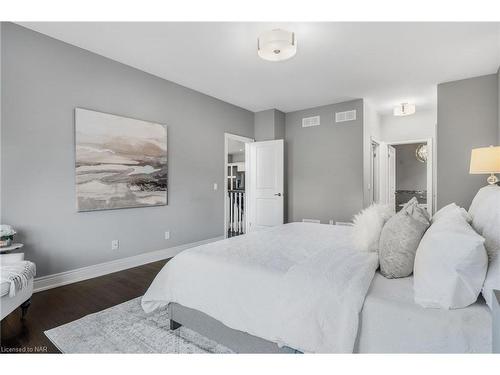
{"x":391,"y":176}
{"x":265,"y":169}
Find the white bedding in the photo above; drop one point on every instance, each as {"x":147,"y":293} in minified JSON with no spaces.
{"x":391,"y":322}
{"x":299,"y":284}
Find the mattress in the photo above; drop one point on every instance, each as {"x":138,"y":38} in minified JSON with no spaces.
{"x":391,"y":322}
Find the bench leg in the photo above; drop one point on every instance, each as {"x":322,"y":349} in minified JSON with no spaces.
{"x":24,"y":308}
{"x":174,"y":325}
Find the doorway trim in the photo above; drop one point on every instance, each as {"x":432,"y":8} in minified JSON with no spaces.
{"x":227,"y":137}
{"x":430,"y":168}
{"x":371,"y":186}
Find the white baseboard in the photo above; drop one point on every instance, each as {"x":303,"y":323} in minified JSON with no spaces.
{"x":84,"y":273}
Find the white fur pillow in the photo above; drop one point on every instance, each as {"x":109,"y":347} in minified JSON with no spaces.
{"x":368,"y":224}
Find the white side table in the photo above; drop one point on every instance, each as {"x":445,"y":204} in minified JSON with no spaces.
{"x":8,"y":249}
{"x":5,"y":253}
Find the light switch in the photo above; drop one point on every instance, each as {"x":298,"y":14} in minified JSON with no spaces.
{"x":215,"y":186}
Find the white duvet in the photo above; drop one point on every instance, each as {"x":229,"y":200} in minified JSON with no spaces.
{"x":301,"y":285}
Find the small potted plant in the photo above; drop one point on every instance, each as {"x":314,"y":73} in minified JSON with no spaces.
{"x":6,"y":235}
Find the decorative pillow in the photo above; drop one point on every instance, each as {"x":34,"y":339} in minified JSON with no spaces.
{"x":400,"y":238}
{"x":451,"y":209}
{"x":485,"y":212}
{"x":450,"y":265}
{"x":368,"y":225}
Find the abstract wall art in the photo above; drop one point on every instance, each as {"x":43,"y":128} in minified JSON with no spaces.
{"x":120,"y":162}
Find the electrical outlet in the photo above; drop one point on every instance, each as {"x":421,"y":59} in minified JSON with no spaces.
{"x":167,"y":235}
{"x":115,"y":244}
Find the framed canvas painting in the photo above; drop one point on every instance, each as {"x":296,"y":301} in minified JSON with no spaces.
{"x":120,"y":162}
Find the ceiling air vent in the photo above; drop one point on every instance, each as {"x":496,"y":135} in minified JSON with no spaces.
{"x":310,"y":121}
{"x":345,"y":116}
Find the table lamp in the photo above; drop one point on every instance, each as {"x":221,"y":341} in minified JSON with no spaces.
{"x":486,"y":160}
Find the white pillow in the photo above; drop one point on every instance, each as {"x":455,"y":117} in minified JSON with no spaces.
{"x":485,"y":212}
{"x":368,"y":225}
{"x":450,"y":265}
{"x":451,"y":209}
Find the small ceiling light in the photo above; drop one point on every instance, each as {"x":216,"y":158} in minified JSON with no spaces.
{"x":277,"y":45}
{"x":421,"y":153}
{"x":404,"y":109}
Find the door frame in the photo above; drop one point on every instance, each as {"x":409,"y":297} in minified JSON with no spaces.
{"x":240,"y":138}
{"x":371,"y":187}
{"x":430,"y":168}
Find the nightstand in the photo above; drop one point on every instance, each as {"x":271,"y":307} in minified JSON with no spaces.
{"x":8,"y":249}
{"x":6,"y":253}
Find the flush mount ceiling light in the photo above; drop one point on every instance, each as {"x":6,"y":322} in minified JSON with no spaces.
{"x":277,"y":45}
{"x":404,"y":109}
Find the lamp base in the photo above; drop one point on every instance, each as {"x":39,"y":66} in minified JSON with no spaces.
{"x":492,"y":179}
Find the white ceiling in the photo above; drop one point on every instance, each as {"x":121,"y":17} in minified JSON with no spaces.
{"x":385,"y":63}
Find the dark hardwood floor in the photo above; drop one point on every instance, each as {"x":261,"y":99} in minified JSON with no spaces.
{"x":54,"y":307}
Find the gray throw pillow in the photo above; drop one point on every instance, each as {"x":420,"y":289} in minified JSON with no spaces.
{"x":399,"y":240}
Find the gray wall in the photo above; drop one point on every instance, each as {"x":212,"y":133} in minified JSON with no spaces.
{"x":467,"y":118}
{"x":279,"y":125}
{"x":269,"y":125}
{"x":498,"y":92}
{"x":1,"y":85}
{"x":236,"y":157}
{"x":264,"y":125}
{"x":325,"y":164}
{"x":43,"y":81}
{"x":411,"y":174}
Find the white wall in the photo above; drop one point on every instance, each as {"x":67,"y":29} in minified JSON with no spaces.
{"x":418,"y":126}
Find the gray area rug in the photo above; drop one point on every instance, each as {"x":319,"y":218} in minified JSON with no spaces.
{"x":126,"y":328}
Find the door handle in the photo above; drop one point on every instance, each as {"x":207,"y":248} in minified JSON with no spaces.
{"x":278,"y":194}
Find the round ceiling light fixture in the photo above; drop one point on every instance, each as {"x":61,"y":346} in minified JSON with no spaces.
{"x":277,"y":45}
{"x":404,"y":109}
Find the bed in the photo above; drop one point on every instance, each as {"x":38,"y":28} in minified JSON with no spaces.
{"x":391,"y":322}
{"x":300,"y":287}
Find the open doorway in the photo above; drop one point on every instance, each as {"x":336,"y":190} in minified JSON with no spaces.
{"x":410,"y":174}
{"x":235,"y":185}
{"x":403,"y":170}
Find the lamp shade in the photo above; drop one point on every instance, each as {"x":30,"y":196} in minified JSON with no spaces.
{"x":485,"y":160}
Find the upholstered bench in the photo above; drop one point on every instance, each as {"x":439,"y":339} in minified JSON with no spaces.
{"x":22,"y":298}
